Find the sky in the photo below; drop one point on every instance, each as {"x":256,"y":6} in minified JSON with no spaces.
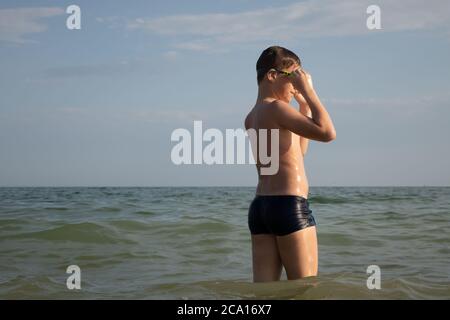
{"x":97,"y":106}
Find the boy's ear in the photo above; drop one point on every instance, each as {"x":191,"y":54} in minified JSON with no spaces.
{"x":271,"y":76}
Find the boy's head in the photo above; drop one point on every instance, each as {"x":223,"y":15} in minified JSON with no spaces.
{"x":273,"y":68}
{"x":277,"y":58}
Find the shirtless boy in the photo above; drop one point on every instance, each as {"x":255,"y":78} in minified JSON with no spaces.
{"x":283,"y":229}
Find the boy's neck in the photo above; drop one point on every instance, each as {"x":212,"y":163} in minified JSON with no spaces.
{"x":265,"y":95}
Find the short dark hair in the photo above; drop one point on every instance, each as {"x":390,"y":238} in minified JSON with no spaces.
{"x":275,"y":57}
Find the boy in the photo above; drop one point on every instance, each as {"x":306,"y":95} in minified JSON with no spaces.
{"x":282,"y":227}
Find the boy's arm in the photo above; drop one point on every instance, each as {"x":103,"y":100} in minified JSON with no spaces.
{"x":304,"y":142}
{"x":319,"y":127}
{"x":306,"y":111}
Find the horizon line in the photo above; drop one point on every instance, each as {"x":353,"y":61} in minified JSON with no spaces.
{"x":214,"y":186}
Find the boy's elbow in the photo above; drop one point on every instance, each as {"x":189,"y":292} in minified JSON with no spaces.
{"x":330,"y":136}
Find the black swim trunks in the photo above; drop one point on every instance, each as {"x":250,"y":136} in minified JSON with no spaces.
{"x":279,"y":214}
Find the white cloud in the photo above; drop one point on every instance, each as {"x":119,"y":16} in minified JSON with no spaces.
{"x":170,"y":55}
{"x":299,"y":20}
{"x":410,"y":106}
{"x":166,"y":115}
{"x":17,"y":22}
{"x":111,"y":22}
{"x":197,"y":45}
{"x":427,"y":101}
{"x":106,"y":69}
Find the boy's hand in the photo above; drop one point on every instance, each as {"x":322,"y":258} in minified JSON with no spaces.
{"x":299,"y":98}
{"x":302,"y":103}
{"x":302,"y":81}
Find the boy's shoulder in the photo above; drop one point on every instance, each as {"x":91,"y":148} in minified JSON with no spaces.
{"x":277,"y":106}
{"x":266,"y":110}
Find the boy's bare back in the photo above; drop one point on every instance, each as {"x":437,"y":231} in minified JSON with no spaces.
{"x":291,"y":177}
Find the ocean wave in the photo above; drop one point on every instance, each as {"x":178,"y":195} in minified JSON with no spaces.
{"x":85,"y":232}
